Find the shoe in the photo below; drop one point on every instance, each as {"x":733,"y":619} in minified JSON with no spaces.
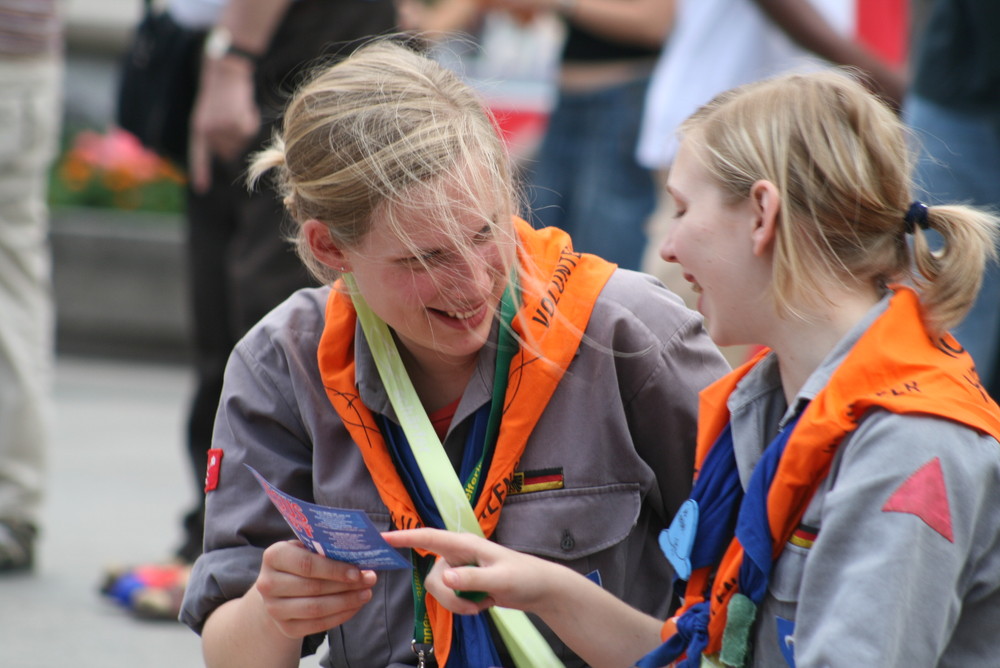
{"x":149,"y":591}
{"x":17,"y":546}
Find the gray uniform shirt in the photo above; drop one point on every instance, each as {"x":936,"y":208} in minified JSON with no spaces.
{"x":880,"y":587}
{"x":620,"y":428}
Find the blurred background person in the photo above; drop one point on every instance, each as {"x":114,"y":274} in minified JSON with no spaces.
{"x":953,"y":107}
{"x":31,"y":67}
{"x":719,"y":44}
{"x":585,"y":178}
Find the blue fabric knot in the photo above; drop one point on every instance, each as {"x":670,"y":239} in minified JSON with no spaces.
{"x":726,"y":511}
{"x":692,"y":636}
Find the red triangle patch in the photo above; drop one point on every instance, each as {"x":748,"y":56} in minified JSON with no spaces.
{"x":924,"y":494}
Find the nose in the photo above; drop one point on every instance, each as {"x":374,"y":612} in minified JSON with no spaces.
{"x":475,"y":273}
{"x":480,"y":275}
{"x":667,"y":246}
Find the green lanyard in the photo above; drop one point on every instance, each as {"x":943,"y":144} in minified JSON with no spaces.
{"x":526,"y":645}
{"x":506,"y":347}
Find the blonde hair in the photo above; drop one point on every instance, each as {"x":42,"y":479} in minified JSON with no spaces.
{"x":840,"y":160}
{"x":383,"y":130}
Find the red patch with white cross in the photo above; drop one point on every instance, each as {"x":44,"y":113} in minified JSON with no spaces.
{"x":212,"y":472}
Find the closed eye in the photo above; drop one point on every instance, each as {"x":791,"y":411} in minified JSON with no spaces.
{"x":442,"y":256}
{"x":484,"y":235}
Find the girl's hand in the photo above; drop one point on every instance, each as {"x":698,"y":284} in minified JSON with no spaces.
{"x":470,"y":563}
{"x":603,"y":630}
{"x":305,"y":593}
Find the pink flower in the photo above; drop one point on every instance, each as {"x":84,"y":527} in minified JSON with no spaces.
{"x":117,"y":150}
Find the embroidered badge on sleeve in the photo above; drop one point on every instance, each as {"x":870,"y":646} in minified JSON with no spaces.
{"x":925,"y":495}
{"x":212,"y":472}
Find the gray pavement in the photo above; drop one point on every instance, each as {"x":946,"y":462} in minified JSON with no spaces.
{"x":116,"y":489}
{"x":117,"y":486}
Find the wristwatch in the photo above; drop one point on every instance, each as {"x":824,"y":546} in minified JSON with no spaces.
{"x":219,"y":43}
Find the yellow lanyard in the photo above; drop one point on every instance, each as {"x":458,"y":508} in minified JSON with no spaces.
{"x":524,"y":642}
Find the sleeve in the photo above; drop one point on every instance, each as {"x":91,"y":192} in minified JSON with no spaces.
{"x":660,"y":390}
{"x":255,"y":425}
{"x":900,"y":525}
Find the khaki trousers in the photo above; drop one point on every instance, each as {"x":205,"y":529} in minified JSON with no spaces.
{"x":30,"y":113}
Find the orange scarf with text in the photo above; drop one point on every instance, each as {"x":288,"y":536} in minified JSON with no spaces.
{"x":895,"y":366}
{"x":559,"y":289}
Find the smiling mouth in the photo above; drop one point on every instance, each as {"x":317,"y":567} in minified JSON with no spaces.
{"x":472,"y":315}
{"x":694,"y":284}
{"x":462,"y":315}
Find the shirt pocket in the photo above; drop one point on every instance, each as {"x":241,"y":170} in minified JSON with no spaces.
{"x":786,"y":578}
{"x":569,"y":524}
{"x":775,"y":636}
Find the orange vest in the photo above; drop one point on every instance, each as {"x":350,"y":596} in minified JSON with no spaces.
{"x":559,"y":289}
{"x":895,"y":366}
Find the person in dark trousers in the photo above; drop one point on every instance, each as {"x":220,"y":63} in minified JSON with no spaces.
{"x":240,"y":262}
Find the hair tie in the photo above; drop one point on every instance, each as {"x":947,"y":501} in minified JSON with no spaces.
{"x":916,"y":216}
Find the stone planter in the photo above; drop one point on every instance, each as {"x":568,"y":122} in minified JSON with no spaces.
{"x":120,"y":283}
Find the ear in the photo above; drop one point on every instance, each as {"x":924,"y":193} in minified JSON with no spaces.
{"x":765,"y":201}
{"x":323,"y":247}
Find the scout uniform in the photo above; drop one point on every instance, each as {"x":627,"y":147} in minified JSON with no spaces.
{"x":891,"y":559}
{"x":604,"y":468}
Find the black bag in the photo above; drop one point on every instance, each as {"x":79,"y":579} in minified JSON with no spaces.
{"x":159,"y":81}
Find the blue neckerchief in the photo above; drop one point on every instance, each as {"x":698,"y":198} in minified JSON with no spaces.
{"x":725,"y":510}
{"x":472,"y":642}
{"x":409,"y":471}
{"x":752,"y":527}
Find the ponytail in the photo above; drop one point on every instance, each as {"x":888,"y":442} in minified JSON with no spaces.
{"x":949,"y":279}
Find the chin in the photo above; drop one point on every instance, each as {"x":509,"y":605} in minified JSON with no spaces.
{"x":722,"y":338}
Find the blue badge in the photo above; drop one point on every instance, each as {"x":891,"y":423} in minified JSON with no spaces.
{"x":677,"y":540}
{"x":786,"y":639}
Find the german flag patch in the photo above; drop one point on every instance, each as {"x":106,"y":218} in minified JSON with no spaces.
{"x":804,"y":536}
{"x":536,"y":481}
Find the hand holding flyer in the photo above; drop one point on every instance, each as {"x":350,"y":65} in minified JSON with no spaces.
{"x":336,"y":533}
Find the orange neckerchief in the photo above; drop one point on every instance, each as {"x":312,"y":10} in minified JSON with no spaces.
{"x":559,"y":289}
{"x":896,"y":366}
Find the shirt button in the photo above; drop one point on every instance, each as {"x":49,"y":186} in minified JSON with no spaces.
{"x":568,"y":542}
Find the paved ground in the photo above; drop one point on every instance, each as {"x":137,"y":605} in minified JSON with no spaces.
{"x":117,"y":486}
{"x":116,"y":489}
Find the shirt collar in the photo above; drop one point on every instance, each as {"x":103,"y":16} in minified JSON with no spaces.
{"x":764,"y":379}
{"x":373,"y":393}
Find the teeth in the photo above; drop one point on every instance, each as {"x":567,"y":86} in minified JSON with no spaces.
{"x":464,"y":315}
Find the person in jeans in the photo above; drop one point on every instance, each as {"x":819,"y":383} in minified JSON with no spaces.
{"x":843,"y":512}
{"x":953,"y":107}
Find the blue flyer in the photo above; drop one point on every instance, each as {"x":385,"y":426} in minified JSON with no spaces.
{"x":337,"y":533}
